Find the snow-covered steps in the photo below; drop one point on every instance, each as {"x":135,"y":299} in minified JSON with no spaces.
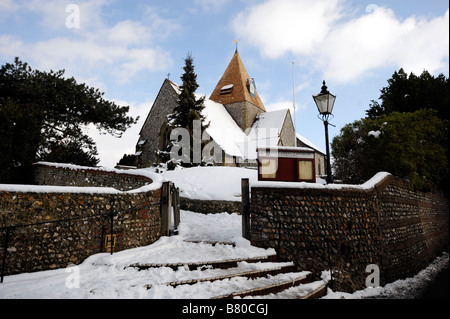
{"x":262,"y":270}
{"x":213,"y":243}
{"x":223,"y":264}
{"x":312,"y":290}
{"x":236,"y":287}
{"x":257,"y":277}
{"x":270,"y":284}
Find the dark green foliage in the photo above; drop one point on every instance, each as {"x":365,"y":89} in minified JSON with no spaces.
{"x":409,"y":145}
{"x":188,"y":109}
{"x":406,"y":135}
{"x":20,"y":138}
{"x":44,"y":116}
{"x":411,"y":93}
{"x":128,"y":160}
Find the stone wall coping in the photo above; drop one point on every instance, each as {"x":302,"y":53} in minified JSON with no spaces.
{"x":154,"y":179}
{"x":377,"y":181}
{"x":15,"y":188}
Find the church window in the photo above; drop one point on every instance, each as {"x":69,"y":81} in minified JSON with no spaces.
{"x":227,"y":89}
{"x":164,"y":137}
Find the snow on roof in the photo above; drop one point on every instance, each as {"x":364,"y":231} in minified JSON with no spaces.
{"x":265,"y":132}
{"x":291,"y":149}
{"x":308,"y":143}
{"x":176,"y":87}
{"x":226,"y":87}
{"x":223,"y":129}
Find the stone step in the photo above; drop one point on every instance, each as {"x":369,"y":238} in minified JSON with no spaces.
{"x":257,"y":273}
{"x":236,"y":279}
{"x":312,"y":290}
{"x":270,"y":285}
{"x":213,"y":243}
{"x":319,"y":290}
{"x":223,"y":264}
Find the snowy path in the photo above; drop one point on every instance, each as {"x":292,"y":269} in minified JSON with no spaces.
{"x":109,"y":276}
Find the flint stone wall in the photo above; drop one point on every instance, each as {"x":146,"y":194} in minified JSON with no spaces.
{"x":34,"y":242}
{"x":210,"y":206}
{"x":390,"y":225}
{"x":70,"y":175}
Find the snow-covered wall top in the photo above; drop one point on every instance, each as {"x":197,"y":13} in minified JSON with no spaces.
{"x":68,"y":178}
{"x":367,"y":186}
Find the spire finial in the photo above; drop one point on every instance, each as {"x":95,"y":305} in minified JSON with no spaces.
{"x":236,"y":41}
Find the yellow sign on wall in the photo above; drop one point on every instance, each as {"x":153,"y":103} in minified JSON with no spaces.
{"x":110,"y":242}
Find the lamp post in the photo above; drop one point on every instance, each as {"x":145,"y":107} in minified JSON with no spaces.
{"x":325,"y":102}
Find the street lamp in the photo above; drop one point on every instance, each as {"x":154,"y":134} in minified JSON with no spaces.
{"x":325,"y":102}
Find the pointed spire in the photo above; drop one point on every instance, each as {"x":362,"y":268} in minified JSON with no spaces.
{"x":235,"y":85}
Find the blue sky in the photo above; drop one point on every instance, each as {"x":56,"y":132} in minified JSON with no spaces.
{"x":127,"y":48}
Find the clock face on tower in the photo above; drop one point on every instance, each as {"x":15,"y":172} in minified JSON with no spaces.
{"x":252,"y":87}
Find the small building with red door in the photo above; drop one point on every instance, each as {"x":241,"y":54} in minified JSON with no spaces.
{"x":287,"y":164}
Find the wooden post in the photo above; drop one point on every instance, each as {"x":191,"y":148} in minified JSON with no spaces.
{"x":176,"y":207}
{"x":166,"y":208}
{"x":245,"y":208}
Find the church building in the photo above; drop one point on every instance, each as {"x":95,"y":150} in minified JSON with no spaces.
{"x":238,"y":122}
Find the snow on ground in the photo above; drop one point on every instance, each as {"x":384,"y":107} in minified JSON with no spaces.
{"x":224,"y":183}
{"x":210,"y":183}
{"x":109,"y":276}
{"x":409,"y":288}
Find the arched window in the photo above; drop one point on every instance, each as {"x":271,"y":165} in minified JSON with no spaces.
{"x":164,"y":137}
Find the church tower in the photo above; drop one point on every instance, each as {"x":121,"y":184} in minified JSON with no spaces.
{"x":237,"y":92}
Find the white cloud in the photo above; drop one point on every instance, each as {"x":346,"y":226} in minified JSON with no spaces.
{"x":211,"y":5}
{"x":53,"y":12}
{"x":122,"y":48}
{"x":128,"y":33}
{"x":7,"y":6}
{"x":277,"y":27}
{"x":344,"y":47}
{"x":380,"y":39}
{"x":85,"y":58}
{"x":160,"y":27}
{"x":143,"y":60}
{"x":9,"y":45}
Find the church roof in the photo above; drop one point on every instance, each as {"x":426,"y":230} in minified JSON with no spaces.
{"x":230,"y":137}
{"x":234,"y":85}
{"x":267,"y":127}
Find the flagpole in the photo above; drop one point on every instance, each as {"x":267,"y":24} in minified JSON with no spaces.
{"x":293,"y":93}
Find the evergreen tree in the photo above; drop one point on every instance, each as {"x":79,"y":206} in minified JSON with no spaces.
{"x":409,"y":93}
{"x":128,"y":160}
{"x":412,"y":145}
{"x":43,"y":116}
{"x":406,"y":135}
{"x":188,"y":109}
